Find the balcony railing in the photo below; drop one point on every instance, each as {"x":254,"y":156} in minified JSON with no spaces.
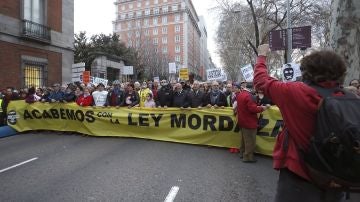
{"x":36,"y":31}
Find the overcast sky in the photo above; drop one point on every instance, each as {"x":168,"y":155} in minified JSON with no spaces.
{"x":96,"y":16}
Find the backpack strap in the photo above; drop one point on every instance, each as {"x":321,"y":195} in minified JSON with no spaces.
{"x":326,"y":92}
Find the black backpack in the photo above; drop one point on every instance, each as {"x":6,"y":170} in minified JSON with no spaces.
{"x":333,"y":158}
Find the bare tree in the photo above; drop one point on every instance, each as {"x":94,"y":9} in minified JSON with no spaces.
{"x":345,"y":34}
{"x":244,"y":26}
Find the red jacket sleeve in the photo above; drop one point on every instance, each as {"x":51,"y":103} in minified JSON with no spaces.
{"x":252,"y":106}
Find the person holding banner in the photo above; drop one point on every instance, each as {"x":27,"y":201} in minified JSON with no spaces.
{"x":215,"y":98}
{"x":116,"y":96}
{"x":197,"y":97}
{"x":85,"y":99}
{"x":100,"y":95}
{"x":164,"y":95}
{"x":181,"y":97}
{"x":247,"y":110}
{"x":143,"y":92}
{"x":298,"y":103}
{"x":131,"y":97}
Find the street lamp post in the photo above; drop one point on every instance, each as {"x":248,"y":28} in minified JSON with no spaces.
{"x":289,"y":34}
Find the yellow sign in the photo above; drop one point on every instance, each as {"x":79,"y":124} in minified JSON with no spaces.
{"x":213,"y":127}
{"x":184,"y":73}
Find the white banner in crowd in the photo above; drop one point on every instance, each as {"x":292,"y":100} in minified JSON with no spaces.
{"x":172,"y":68}
{"x":76,"y":71}
{"x":248,"y":73}
{"x":214,"y":74}
{"x":290,"y":72}
{"x":97,"y":80}
{"x":223,"y":75}
{"x":128,"y":70}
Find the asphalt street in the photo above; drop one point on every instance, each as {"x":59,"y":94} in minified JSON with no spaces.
{"x":49,"y":166}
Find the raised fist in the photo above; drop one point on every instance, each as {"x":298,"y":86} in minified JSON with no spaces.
{"x":263,"y":49}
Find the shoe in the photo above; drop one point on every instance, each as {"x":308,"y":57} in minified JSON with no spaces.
{"x":241,"y":155}
{"x":249,"y":161}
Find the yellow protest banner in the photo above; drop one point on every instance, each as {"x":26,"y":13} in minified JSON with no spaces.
{"x":184,"y":73}
{"x":213,"y":127}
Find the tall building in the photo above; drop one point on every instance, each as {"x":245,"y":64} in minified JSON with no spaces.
{"x":204,"y":53}
{"x":169,"y":27}
{"x":36,"y":42}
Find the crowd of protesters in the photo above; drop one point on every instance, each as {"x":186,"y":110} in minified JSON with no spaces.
{"x":241,"y":97}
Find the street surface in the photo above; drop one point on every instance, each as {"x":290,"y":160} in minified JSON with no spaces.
{"x":53,"y":166}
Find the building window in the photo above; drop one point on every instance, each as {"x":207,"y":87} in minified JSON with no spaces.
{"x":177,"y":49}
{"x":177,"y":38}
{"x":131,"y":6}
{"x":123,"y":7}
{"x":137,"y":44}
{"x":138,"y":13}
{"x":139,"y":4}
{"x":155,"y":21}
{"x":164,"y":1}
{"x":156,"y":50}
{"x":156,"y":1}
{"x":130,"y":43}
{"x":164,"y":49}
{"x":129,"y":25}
{"x":175,"y":7}
{"x":146,"y":22}
{"x":177,"y":18}
{"x":129,"y":34}
{"x":118,"y":27}
{"x":131,"y":14}
{"x":147,"y":3}
{"x":34,"y":74}
{"x":155,"y":31}
{"x":164,"y":30}
{"x":156,"y":11}
{"x":146,"y":32}
{"x":177,"y":58}
{"x":177,"y":28}
{"x":34,"y":11}
{"x":147,"y":12}
{"x":165,"y":9}
{"x":155,"y":41}
{"x":164,"y":19}
{"x":137,"y":34}
{"x":164,"y":40}
{"x":138,"y":23}
{"x":123,"y":16}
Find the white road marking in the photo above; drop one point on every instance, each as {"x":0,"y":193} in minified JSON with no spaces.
{"x":19,"y":164}
{"x":172,"y":194}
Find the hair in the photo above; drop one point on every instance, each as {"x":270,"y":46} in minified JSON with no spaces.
{"x":353,"y":80}
{"x":150,"y":95}
{"x":31,"y":90}
{"x":132,"y":85}
{"x":323,"y":66}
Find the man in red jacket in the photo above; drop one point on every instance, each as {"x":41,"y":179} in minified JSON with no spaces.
{"x":247,"y":110}
{"x":298,"y":103}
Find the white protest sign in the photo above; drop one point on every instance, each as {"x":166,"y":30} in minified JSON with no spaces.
{"x":214,"y":74}
{"x":172,"y":68}
{"x":76,"y":71}
{"x":290,"y":72}
{"x":128,"y":70}
{"x":156,"y":78}
{"x":97,"y":80}
{"x":223,"y":75}
{"x":248,"y":73}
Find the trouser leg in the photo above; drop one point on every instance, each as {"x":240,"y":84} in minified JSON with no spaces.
{"x":250,"y":143}
{"x":242,"y":144}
